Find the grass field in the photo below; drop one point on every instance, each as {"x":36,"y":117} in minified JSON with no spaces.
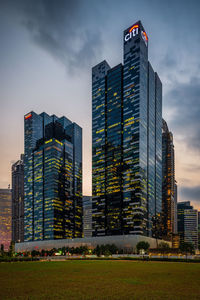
{"x":99,"y":280}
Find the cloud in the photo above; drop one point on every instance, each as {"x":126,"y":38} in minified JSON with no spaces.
{"x":192,"y":168}
{"x":62,"y":28}
{"x":185,"y":100}
{"x":190,"y":194}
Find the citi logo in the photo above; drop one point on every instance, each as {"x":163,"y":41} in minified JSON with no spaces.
{"x":144,"y":36}
{"x":133,"y":31}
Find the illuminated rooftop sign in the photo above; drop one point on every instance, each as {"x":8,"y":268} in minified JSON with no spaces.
{"x":28,"y":116}
{"x":133,"y":31}
{"x":144,"y":36}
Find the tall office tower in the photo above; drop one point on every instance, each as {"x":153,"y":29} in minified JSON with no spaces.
{"x":87,"y":216}
{"x":52,"y":178}
{"x":187,"y":223}
{"x":18,"y":200}
{"x":169,"y":201}
{"x":5,"y":217}
{"x":127,"y":141}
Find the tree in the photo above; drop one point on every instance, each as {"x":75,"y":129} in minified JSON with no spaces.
{"x":34,"y":253}
{"x":107,"y":250}
{"x":52,"y":251}
{"x":142,"y":246}
{"x":186,"y":248}
{"x":163,"y":246}
{"x":2,"y":249}
{"x":11,"y":249}
{"x":85,"y":250}
{"x":113,"y":249}
{"x":97,"y":251}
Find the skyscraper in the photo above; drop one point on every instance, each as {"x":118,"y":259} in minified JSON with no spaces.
{"x":87,"y":216}
{"x":52,"y":178}
{"x":127,"y":141}
{"x":188,"y":223}
{"x":169,"y":187}
{"x":175,"y":207}
{"x":18,"y":200}
{"x":199,"y":230}
{"x":5,"y":217}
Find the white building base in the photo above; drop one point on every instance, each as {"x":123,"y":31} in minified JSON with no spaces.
{"x":126,"y":242}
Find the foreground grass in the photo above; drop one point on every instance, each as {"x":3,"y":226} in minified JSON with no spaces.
{"x":99,"y":280}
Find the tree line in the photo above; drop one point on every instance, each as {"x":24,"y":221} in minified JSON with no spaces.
{"x":105,"y":250}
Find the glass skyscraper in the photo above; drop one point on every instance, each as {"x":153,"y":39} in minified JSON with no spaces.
{"x":52,"y":178}
{"x":87,"y":216}
{"x":18,"y":200}
{"x":5,"y":217}
{"x":127,"y":141}
{"x":187,"y":223}
{"x":169,"y":188}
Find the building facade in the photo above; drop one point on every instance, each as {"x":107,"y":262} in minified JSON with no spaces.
{"x":187,"y":223}
{"x":87,"y":216}
{"x":5,"y":217}
{"x":175,"y":208}
{"x":52,"y":178}
{"x":18,"y":200}
{"x":199,"y":230}
{"x":169,"y":186}
{"x":127,"y":142}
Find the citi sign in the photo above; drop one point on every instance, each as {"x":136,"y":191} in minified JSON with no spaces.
{"x":133,"y":31}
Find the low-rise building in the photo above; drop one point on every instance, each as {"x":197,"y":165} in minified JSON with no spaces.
{"x":126,"y":242}
{"x":188,"y":223}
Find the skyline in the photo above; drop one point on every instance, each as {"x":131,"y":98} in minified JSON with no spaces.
{"x":47,"y":72}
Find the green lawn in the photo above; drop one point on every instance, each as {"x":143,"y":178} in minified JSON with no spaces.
{"x":99,"y":280}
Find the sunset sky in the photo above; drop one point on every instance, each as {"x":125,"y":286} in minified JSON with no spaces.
{"x":47,"y":51}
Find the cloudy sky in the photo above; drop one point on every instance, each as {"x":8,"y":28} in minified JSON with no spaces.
{"x":48,"y":48}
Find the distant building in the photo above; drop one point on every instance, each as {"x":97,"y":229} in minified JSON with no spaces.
{"x":175,"y":208}
{"x":127,"y":141}
{"x":199,"y":228}
{"x":188,"y":223}
{"x":5,"y":217}
{"x":175,"y":241}
{"x":52,"y":178}
{"x":18,"y":200}
{"x":87,"y":216}
{"x":169,"y":187}
{"x":191,"y":227}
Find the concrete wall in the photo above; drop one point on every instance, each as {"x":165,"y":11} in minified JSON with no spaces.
{"x":121,"y":241}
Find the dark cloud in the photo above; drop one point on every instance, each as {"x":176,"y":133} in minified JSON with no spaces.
{"x":62,"y":28}
{"x":184,"y":98}
{"x":168,"y":61}
{"x":190,"y":194}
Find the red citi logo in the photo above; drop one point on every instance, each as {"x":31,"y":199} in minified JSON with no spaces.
{"x":133,"y":31}
{"x":144,"y":36}
{"x":28,"y":116}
